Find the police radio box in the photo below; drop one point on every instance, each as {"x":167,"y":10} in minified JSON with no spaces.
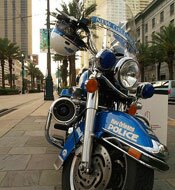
{"x":155,"y":109}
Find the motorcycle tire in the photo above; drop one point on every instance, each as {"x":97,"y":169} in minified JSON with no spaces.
{"x":126,"y":173}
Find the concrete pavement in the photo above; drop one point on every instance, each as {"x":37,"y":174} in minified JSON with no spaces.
{"x":26,"y":158}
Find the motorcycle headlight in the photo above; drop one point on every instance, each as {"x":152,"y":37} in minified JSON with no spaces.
{"x":127,"y":72}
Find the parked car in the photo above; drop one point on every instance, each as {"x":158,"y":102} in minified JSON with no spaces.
{"x":167,"y":87}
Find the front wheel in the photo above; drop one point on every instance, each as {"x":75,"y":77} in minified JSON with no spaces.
{"x":111,"y":169}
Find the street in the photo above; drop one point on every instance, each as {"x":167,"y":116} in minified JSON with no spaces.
{"x":26,"y":158}
{"x":171,"y":110}
{"x":11,"y":101}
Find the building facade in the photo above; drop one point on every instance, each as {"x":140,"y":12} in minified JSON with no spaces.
{"x":112,"y":11}
{"x":16,"y":25}
{"x":151,"y":20}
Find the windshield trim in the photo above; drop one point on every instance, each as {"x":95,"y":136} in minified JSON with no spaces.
{"x":114,"y":28}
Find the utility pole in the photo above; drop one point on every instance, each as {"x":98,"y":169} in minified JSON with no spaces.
{"x":22,"y":72}
{"x":49,"y":83}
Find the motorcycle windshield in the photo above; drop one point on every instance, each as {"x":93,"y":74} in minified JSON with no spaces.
{"x":113,"y":26}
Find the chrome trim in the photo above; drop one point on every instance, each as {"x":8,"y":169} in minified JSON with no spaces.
{"x":154,"y":150}
{"x":127,"y":154}
{"x":143,"y":119}
{"x":118,"y":68}
{"x":158,"y":148}
{"x":92,"y":105}
{"x":113,"y":87}
{"x":106,"y":139}
{"x":58,"y":163}
{"x":69,"y":100}
{"x":49,"y":138}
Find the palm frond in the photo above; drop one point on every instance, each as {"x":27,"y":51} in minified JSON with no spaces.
{"x":89,"y":10}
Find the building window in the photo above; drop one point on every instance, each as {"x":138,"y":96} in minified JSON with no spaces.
{"x":138,"y":32}
{"x":14,"y":20}
{"x":162,"y":16}
{"x":163,"y":77}
{"x":146,"y":27}
{"x":172,"y":9}
{"x":153,"y":22}
{"x":5,"y":19}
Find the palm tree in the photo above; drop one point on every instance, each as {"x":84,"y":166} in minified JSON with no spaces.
{"x":64,"y":72}
{"x":3,"y":48}
{"x":157,"y":56}
{"x":76,"y":9}
{"x":31,"y":70}
{"x":143,"y":58}
{"x":14,"y":78}
{"x":8,"y":51}
{"x":12,"y":52}
{"x":166,"y":41}
{"x":34,"y":73}
{"x":39,"y":78}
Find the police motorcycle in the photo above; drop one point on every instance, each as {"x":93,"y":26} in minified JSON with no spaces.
{"x":106,"y":143}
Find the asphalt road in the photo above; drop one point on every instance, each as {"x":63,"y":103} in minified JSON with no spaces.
{"x":11,"y":101}
{"x":171,"y":110}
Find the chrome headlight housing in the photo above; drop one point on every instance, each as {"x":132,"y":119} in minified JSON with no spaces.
{"x":127,"y":72}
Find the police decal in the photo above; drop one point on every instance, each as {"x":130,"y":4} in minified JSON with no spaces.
{"x":123,"y":129}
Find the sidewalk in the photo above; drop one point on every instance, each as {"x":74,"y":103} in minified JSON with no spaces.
{"x":166,"y":180}
{"x":26,"y":158}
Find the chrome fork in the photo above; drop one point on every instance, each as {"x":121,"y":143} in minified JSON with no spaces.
{"x":92,"y":105}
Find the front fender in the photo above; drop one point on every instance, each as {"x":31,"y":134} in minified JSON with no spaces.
{"x":125,"y":127}
{"x":118,"y":124}
{"x":134,"y":134}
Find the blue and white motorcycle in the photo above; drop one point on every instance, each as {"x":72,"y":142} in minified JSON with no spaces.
{"x":103,"y":142}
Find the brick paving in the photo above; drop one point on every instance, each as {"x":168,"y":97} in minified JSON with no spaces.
{"x":26,"y":158}
{"x":166,"y":180}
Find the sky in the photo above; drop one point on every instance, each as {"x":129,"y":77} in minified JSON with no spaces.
{"x":38,"y":22}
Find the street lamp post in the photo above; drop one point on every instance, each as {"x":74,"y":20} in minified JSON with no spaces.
{"x":22,"y":73}
{"x":49,"y":83}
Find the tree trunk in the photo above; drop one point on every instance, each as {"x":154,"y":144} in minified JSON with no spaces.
{"x":64,"y":72}
{"x":2,"y":70}
{"x":142,"y":71}
{"x":13,"y":80}
{"x":72,"y":73}
{"x":10,"y":72}
{"x":33,"y":82}
{"x":170,"y":64}
{"x":158,"y":71}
